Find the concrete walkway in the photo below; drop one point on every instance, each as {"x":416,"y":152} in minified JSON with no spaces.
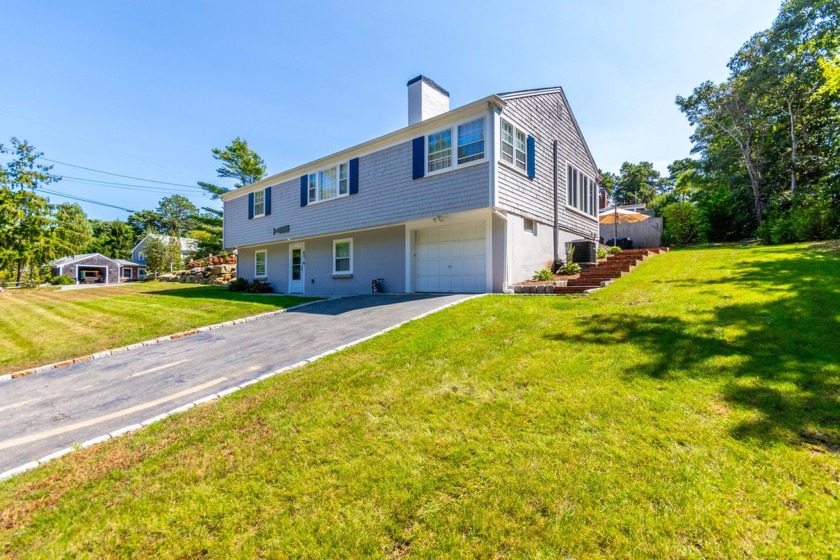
{"x":43,"y":413}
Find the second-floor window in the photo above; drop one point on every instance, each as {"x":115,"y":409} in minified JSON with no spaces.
{"x":514,"y":146}
{"x":329,"y":183}
{"x":259,"y":204}
{"x":469,"y":138}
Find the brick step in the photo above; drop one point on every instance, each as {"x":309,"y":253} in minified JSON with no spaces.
{"x":629,"y":258}
{"x":615,"y":267}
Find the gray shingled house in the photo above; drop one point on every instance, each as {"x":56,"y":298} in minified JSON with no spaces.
{"x":471,"y":199}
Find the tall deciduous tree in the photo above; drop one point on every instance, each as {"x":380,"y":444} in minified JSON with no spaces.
{"x":772,"y":126}
{"x":238,"y":162}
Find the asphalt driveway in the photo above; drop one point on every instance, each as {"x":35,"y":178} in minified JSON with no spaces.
{"x":46,"y":412}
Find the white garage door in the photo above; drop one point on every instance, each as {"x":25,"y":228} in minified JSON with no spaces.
{"x":451,"y":259}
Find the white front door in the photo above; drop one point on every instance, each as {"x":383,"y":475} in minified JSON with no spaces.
{"x":297,"y":266}
{"x":451,"y":259}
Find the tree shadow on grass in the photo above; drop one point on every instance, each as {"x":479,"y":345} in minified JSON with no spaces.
{"x":779,"y":358}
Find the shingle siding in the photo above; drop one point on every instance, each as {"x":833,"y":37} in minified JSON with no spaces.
{"x":547,"y":118}
{"x":387,"y":195}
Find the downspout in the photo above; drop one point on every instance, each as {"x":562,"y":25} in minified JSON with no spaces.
{"x":504,"y":252}
{"x":556,"y":215}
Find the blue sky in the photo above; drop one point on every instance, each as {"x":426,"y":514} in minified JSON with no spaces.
{"x":148,"y":88}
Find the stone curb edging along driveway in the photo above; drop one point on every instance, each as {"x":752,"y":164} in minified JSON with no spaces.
{"x":136,"y":345}
{"x":133,"y":427}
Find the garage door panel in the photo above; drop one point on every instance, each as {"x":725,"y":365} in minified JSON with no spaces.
{"x":451,"y":259}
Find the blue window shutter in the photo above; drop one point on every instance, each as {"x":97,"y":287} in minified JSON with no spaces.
{"x":354,"y":176}
{"x":419,"y":152}
{"x":250,"y":206}
{"x":304,"y":188}
{"x":268,"y":201}
{"x":532,"y":165}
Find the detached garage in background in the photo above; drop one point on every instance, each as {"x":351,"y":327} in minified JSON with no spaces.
{"x":96,"y":268}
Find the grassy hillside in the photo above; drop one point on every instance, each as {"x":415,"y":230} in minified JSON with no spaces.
{"x":47,"y":325}
{"x":690,"y":409}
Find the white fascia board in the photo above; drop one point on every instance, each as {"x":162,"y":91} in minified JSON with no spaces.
{"x":376,"y":144}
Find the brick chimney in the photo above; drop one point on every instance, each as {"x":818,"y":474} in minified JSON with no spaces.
{"x":426,"y":99}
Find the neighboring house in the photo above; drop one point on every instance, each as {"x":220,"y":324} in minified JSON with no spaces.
{"x":461,"y":200}
{"x":188,"y":247}
{"x":96,"y":268}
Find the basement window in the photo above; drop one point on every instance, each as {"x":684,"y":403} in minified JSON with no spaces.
{"x":530,"y":226}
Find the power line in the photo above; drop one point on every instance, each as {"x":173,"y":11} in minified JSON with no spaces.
{"x":81,"y":199}
{"x":117,"y":174}
{"x":129,"y":184}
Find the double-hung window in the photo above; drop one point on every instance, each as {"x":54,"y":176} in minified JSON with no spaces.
{"x":260,"y":264}
{"x":471,"y":141}
{"x":343,"y":256}
{"x":329,"y":183}
{"x":259,"y":204}
{"x":581,"y":192}
{"x":440,"y":150}
{"x":514,"y":146}
{"x":469,"y":145}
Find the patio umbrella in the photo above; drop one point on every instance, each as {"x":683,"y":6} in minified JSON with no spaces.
{"x":620,"y":216}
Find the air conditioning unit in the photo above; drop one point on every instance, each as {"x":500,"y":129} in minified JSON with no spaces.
{"x":584,"y":251}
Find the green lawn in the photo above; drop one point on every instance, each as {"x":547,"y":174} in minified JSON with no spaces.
{"x":47,"y":325}
{"x":691,"y":409}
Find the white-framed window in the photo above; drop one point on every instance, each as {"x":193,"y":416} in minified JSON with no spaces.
{"x":471,"y":141}
{"x":141,"y":273}
{"x":439,"y":150}
{"x":343,"y":256}
{"x":514,"y":146}
{"x":329,"y":183}
{"x":259,"y":204}
{"x":260,"y":262}
{"x":581,"y":191}
{"x":141,"y":256}
{"x":530,"y":226}
{"x":469,"y":145}
{"x":127,"y":273}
